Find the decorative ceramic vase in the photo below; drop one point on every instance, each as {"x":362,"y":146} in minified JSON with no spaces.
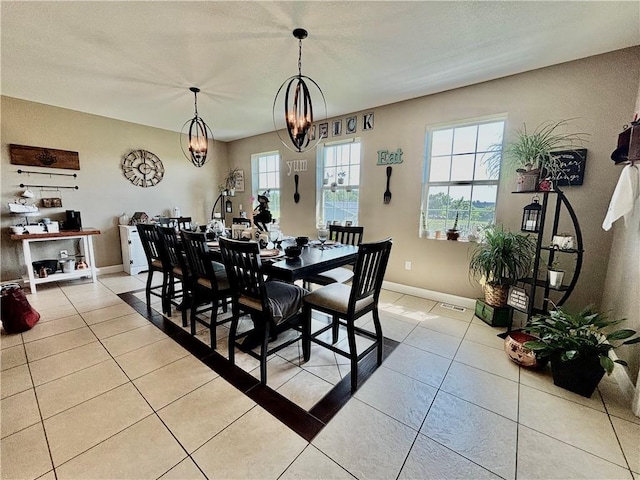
{"x":555,"y":278}
{"x":513,"y":346}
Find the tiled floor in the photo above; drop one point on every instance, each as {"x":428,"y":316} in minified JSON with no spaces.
{"x":95,"y":390}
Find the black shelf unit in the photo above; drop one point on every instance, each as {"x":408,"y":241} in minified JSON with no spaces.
{"x":539,"y":290}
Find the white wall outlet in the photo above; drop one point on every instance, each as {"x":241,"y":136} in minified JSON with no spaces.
{"x":407,"y":265}
{"x":64,"y":254}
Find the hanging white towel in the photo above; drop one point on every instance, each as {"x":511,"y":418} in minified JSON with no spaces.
{"x":624,"y":196}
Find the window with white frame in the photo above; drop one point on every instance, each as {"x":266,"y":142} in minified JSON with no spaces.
{"x":457,"y":181}
{"x":265,"y":175}
{"x":339,"y":182}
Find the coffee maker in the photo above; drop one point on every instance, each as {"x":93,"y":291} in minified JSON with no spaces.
{"x":73,"y":221}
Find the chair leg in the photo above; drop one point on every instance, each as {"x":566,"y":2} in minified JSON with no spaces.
{"x":195,"y":301}
{"x":353,"y":355}
{"x":232,"y":335}
{"x":335,"y":328}
{"x":213,"y":323}
{"x":148,"y":288}
{"x":186,"y":304}
{"x":165,"y":288}
{"x":263,"y":354}
{"x":306,"y":333}
{"x":376,"y":323}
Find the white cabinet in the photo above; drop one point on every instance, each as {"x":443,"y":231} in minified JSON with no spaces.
{"x":134,"y":260}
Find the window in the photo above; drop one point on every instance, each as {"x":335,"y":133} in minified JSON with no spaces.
{"x":265,"y":174}
{"x":339,"y":182}
{"x":457,"y":182}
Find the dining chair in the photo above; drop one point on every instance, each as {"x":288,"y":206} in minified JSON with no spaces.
{"x":209,"y":285}
{"x":150,"y":239}
{"x":345,"y":235}
{"x":274,"y":306}
{"x":345,"y":304}
{"x":174,"y":259}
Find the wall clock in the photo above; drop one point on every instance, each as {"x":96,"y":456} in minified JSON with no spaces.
{"x":142,"y":168}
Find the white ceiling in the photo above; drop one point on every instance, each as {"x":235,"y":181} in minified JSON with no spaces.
{"x":135,"y":61}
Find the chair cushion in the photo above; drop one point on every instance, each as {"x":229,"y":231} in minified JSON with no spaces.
{"x":156,"y":263}
{"x":221,"y":278}
{"x":335,"y":297}
{"x":285,"y":300}
{"x":337,"y":275}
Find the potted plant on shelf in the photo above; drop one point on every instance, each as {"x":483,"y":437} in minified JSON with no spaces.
{"x":529,"y":154}
{"x":555,"y":275}
{"x":499,"y":260}
{"x":233,"y":176}
{"x":562,"y":241}
{"x":578,"y":346}
{"x":453,"y":233}
{"x":341,"y":175}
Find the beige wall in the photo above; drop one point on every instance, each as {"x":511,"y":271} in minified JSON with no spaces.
{"x":104,"y":193}
{"x":596,"y":92}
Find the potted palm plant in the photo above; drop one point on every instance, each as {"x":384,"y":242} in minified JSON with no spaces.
{"x":578,"y":346}
{"x":529,"y":154}
{"x":499,"y":260}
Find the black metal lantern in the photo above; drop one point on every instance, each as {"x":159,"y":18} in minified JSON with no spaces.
{"x":198,"y":135}
{"x":531,"y":216}
{"x":298,"y":107}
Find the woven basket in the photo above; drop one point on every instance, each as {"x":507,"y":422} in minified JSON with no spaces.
{"x":496,"y":295}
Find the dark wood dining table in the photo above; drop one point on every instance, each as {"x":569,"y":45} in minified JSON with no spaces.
{"x":313,"y":261}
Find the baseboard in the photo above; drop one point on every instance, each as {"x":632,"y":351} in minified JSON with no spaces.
{"x":430,"y":294}
{"x":109,"y":269}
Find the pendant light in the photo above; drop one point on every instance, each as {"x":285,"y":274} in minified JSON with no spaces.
{"x":298,"y":107}
{"x":198,"y":134}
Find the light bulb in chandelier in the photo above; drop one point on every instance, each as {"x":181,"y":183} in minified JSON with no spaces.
{"x":298,"y":107}
{"x":197,"y":134}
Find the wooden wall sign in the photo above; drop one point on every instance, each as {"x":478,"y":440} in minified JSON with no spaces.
{"x":573,"y":165}
{"x":44,"y":157}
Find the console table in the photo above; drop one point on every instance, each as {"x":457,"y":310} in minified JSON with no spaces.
{"x":85,"y":235}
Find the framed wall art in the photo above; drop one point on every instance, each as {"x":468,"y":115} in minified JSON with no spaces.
{"x":336,"y":128}
{"x":367,"y":121}
{"x":350,"y":125}
{"x":324,"y":130}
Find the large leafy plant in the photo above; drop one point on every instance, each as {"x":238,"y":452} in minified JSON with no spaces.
{"x":502,"y":257}
{"x":578,"y":335}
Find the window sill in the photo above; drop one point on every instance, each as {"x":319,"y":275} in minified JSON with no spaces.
{"x":444,"y":239}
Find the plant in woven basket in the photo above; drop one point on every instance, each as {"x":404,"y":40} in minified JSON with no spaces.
{"x":499,"y":260}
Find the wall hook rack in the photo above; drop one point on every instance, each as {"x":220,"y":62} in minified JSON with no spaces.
{"x":28,"y":172}
{"x":22,"y":185}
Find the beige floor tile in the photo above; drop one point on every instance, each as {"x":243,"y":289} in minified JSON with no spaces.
{"x":408,"y":314}
{"x":52,"y":312}
{"x":53,"y":327}
{"x":79,"y":428}
{"x":426,"y":367}
{"x":56,"y":366}
{"x":43,"y":299}
{"x":133,"y":339}
{"x":415,"y":303}
{"x":198,"y":416}
{"x":616,"y":402}
{"x":82,"y":286}
{"x":280,"y":371}
{"x":434,"y":342}
{"x":150,"y":358}
{"x":409,"y":403}
{"x":577,"y":425}
{"x":233,"y":453}
{"x":8,"y":341}
{"x":484,"y":389}
{"x":12,"y":357}
{"x":366,"y":442}
{"x":389,"y":297}
{"x":71,"y":390}
{"x":25,"y":454}
{"x":488,"y":359}
{"x":629,"y":435}
{"x":479,"y":435}
{"x":485,"y":335}
{"x":15,"y":380}
{"x":166,"y":384}
{"x":541,"y":456}
{"x":119,"y":325}
{"x":48,"y":346}
{"x":131,"y":449}
{"x":442,"y":324}
{"x":305,"y":389}
{"x":429,"y":459}
{"x":329,"y":373}
{"x":454,"y":311}
{"x":185,"y":470}
{"x":107,"y":313}
{"x":97,"y":303}
{"x":312,"y":464}
{"x":18,"y":411}
{"x":392,"y":327}
{"x":543,"y":380}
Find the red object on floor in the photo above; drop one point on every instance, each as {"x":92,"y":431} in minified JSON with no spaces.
{"x":17,"y":313}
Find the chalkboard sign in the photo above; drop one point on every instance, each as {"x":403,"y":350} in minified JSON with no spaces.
{"x":573,"y":164}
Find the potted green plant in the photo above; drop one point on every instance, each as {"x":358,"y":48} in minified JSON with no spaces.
{"x":453,"y":233}
{"x":529,"y":154}
{"x":555,"y":275}
{"x":499,"y":260}
{"x":233,"y":176}
{"x":341,"y":175}
{"x":578,"y":346}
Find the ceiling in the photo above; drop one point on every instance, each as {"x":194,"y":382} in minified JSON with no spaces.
{"x":135,"y":61}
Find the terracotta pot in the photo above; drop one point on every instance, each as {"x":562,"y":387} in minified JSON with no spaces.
{"x":513,"y":346}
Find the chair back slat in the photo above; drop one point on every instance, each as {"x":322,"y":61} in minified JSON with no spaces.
{"x":150,"y":239}
{"x":369,"y":270}
{"x":198,"y":256}
{"x":244,"y":269}
{"x":346,"y":235}
{"x":170,"y":244}
{"x":179,"y":223}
